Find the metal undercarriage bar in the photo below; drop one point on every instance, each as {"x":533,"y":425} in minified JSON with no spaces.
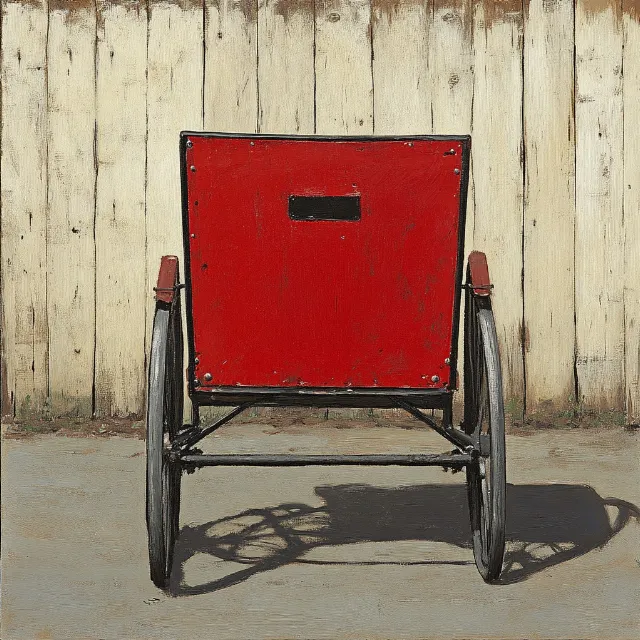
{"x":454,"y":436}
{"x":182,"y":448}
{"x":455,"y":460}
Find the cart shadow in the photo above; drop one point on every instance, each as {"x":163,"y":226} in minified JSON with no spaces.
{"x":546,"y":525}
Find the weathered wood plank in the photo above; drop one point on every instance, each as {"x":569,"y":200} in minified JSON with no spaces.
{"x":632,"y":206}
{"x":121,"y":293}
{"x":451,"y":64}
{"x":549,"y":204}
{"x":498,"y":175}
{"x":344,"y":82}
{"x":599,"y":262}
{"x":230,"y":76}
{"x":286,"y":80}
{"x":285,"y":66}
{"x":71,"y":177}
{"x":401,"y":80}
{"x":174,"y":103}
{"x":24,"y":206}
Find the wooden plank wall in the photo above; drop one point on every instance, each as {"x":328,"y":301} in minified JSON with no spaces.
{"x":94,"y":93}
{"x":549,"y":206}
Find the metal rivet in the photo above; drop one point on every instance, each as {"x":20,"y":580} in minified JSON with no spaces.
{"x":192,"y":168}
{"x":253,"y":144}
{"x":334,"y":16}
{"x":197,"y":360}
{"x":447,"y":361}
{"x":435,"y":378}
{"x":193,"y":235}
{"x":196,"y":382}
{"x":189,"y":144}
{"x":452,"y":152}
{"x":208,"y":377}
{"x":456,"y":171}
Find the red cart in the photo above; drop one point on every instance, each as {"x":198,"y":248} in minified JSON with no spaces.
{"x":325,"y":272}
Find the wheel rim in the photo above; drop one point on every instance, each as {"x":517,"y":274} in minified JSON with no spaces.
{"x":484,"y":414}
{"x":168,"y":493}
{"x":484,"y":472}
{"x":164,"y":416}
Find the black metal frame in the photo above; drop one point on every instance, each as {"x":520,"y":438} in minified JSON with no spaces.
{"x":368,"y":397}
{"x":184,"y":452}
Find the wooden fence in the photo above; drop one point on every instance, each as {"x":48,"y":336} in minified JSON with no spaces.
{"x":95,"y":93}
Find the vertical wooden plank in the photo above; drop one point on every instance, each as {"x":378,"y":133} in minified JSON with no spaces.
{"x":497,"y":160}
{"x":549,"y":204}
{"x":230,"y":73}
{"x":120,"y":207}
{"x":401,"y":80}
{"x":344,"y":82}
{"x":599,"y":263}
{"x":174,"y":103}
{"x":632,"y":206}
{"x":71,"y":176}
{"x":286,"y":81}
{"x":24,"y":205}
{"x":230,"y":78}
{"x":285,"y":66}
{"x":451,"y":66}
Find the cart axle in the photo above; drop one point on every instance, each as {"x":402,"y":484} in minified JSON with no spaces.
{"x":457,"y":460}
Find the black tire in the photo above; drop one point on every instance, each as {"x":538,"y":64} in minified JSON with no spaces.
{"x":484,"y":420}
{"x":164,"y":419}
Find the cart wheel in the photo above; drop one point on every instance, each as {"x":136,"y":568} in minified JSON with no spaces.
{"x":164,"y":418}
{"x":484,"y":419}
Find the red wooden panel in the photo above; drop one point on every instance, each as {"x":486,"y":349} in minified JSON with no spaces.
{"x":283,"y":302}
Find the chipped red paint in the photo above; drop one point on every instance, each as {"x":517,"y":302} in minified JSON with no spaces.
{"x":479,"y":274}
{"x":168,"y":278}
{"x":278,"y":302}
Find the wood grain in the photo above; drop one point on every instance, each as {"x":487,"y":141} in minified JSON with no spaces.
{"x":402,"y":95}
{"x":451,"y":66}
{"x":344,"y":82}
{"x":71,"y":208}
{"x":285,"y":66}
{"x":401,"y":80}
{"x":24,"y":206}
{"x":451,"y":63}
{"x":498,"y":177}
{"x":174,"y":103}
{"x":549,"y":204}
{"x":631,"y":188}
{"x":230,"y":80}
{"x":599,"y":262}
{"x":230,"y":66}
{"x":121,"y":293}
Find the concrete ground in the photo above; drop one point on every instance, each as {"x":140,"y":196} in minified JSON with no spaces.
{"x":321,"y":552}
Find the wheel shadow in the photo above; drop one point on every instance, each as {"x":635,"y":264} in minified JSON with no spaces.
{"x":546,"y":526}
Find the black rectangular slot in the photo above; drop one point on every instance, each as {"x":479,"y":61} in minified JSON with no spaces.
{"x":324,"y":208}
